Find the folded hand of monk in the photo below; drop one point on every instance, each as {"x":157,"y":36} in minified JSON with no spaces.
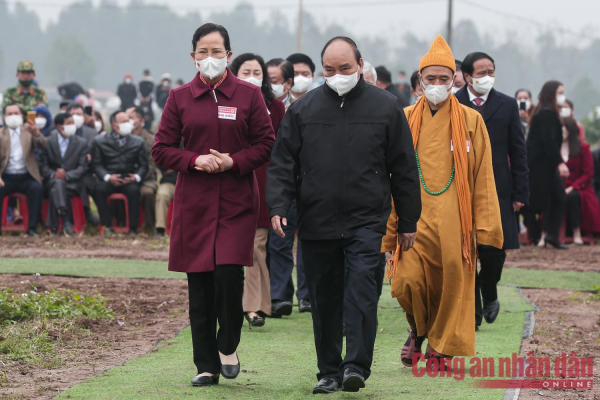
{"x":407,"y":240}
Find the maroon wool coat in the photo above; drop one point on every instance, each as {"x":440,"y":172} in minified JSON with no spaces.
{"x":581,"y":170}
{"x":214,"y":215}
{"x":277,"y":110}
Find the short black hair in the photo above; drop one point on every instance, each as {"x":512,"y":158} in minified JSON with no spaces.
{"x":72,"y":105}
{"x":138,"y":110}
{"x":11,"y":104}
{"x":383,"y":74}
{"x":113,"y":116}
{"x":60,"y":118}
{"x":64,"y":103}
{"x":414,"y":79}
{"x":401,"y":73}
{"x":297,"y":58}
{"x":524,"y":90}
{"x":458,"y":65}
{"x":147,"y":71}
{"x":287,"y":68}
{"x":472,"y":58}
{"x":346,"y":39}
{"x":209,"y":28}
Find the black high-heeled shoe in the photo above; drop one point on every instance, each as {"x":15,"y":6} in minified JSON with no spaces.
{"x":205,"y":380}
{"x":231,"y":371}
{"x":254,"y":321}
{"x":555,"y":243}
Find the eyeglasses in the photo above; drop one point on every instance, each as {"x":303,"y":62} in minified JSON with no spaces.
{"x":216,"y":54}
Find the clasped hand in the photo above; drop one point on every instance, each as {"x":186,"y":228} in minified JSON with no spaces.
{"x":214,"y":162}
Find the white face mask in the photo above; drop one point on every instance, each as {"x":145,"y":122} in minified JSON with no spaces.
{"x":455,"y":89}
{"x":69,"y":130}
{"x":418,"y":98}
{"x":98,"y":126}
{"x":301,"y":84}
{"x":128,"y":80}
{"x":78,"y":119}
{"x":565,"y":112}
{"x":437,"y":93}
{"x":254,"y":81}
{"x":342,"y":84}
{"x":212,"y":67}
{"x":527,"y":104}
{"x":278,"y":90}
{"x":13,"y":121}
{"x":125,"y":128}
{"x":40,"y":122}
{"x":560,"y":99}
{"x":484,"y":84}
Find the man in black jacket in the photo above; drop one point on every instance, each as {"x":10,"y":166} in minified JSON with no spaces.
{"x":146,"y":90}
{"x":120,"y":162}
{"x":342,"y":150}
{"x":384,"y":81}
{"x":127,"y":92}
{"x":509,"y":155}
{"x":63,"y":166}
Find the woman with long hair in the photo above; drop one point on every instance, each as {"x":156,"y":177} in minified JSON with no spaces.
{"x":546,"y":167}
{"x":526,"y":108}
{"x":257,"y":286}
{"x":227,"y":134}
{"x":583,"y":210}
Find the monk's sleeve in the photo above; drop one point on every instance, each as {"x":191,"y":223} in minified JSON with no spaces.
{"x":284,"y":167}
{"x":166,"y":151}
{"x":390,"y":240}
{"x":486,"y":210}
{"x":402,"y":167}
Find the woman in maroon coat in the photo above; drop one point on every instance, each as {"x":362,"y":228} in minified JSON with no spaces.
{"x":257,"y":285}
{"x":227,"y":135}
{"x":583,"y":210}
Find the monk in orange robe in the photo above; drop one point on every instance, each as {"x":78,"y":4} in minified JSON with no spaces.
{"x":435,"y":281}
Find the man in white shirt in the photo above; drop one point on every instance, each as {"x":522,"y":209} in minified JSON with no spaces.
{"x":19,"y":171}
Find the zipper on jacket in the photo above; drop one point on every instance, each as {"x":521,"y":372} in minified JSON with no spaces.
{"x":343,"y":100}
{"x":214,"y":95}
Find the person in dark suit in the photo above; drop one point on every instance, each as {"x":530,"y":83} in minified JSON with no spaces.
{"x":384,"y":81}
{"x":509,"y":157}
{"x":547,"y":169}
{"x":120,"y":162}
{"x":63,"y":166}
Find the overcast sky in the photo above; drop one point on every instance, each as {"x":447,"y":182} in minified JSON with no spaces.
{"x":522,"y":18}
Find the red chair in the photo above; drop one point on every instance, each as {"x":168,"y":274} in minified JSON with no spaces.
{"x":588,"y":237}
{"x":169,"y":219}
{"x":122,"y":229}
{"x":77,"y":210}
{"x":9,"y":226}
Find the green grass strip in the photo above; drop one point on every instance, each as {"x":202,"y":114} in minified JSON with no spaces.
{"x":281,"y":364}
{"x":550,"y":279}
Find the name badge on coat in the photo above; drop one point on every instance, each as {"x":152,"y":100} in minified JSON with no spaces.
{"x":227,"y":113}
{"x":468,"y":146}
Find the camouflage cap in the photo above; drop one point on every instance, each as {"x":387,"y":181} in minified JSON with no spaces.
{"x":25,"y":66}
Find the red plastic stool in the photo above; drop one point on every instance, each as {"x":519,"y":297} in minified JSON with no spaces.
{"x":123,"y":198}
{"x":77,"y":210}
{"x":587,"y":237}
{"x":169,"y":219}
{"x":9,"y":226}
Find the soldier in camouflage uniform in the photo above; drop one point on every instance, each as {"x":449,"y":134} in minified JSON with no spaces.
{"x":25,"y":94}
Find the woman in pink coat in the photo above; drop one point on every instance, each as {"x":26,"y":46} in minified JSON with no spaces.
{"x":583,"y":210}
{"x":227,"y":135}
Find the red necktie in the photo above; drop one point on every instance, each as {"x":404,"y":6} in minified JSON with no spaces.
{"x":478,"y":101}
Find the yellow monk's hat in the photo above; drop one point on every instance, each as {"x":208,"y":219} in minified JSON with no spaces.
{"x":439,"y":54}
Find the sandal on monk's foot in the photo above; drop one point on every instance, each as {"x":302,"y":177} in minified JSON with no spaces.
{"x":411,"y":347}
{"x":436,"y":362}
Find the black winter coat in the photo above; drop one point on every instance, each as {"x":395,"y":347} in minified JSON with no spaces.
{"x":509,"y":157}
{"x":109,"y":158}
{"x":343,"y":159}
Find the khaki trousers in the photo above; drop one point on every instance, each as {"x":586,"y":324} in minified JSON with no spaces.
{"x":164,"y":195}
{"x":257,"y":285}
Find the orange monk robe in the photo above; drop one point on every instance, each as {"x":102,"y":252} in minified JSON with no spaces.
{"x":432,"y":281}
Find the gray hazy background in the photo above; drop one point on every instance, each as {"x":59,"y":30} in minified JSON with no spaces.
{"x":96,"y":42}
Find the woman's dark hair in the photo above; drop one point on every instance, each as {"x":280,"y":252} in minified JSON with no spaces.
{"x":99,"y":117}
{"x":266,"y":89}
{"x":208,"y":29}
{"x":287,"y":68}
{"x":547,"y":97}
{"x":467,"y":66}
{"x":573,"y":131}
{"x":346,"y":39}
{"x":60,"y":118}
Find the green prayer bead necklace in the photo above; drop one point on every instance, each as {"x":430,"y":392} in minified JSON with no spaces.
{"x":423,"y":179}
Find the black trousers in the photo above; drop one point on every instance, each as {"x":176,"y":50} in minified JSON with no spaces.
{"x":574,"y":209}
{"x":59,"y":201}
{"x":553,"y":213}
{"x":131,"y":190}
{"x":486,"y":280}
{"x":24,"y":183}
{"x":215,"y":296}
{"x":327,"y":264}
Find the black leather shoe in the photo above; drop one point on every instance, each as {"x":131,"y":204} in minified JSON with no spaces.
{"x":90,"y":217}
{"x":490,"y":311}
{"x":230,"y":371}
{"x":326,"y":385}
{"x":304,"y":305}
{"x":254,"y":321}
{"x":68,"y":228}
{"x":353,"y":381}
{"x":205,"y":380}
{"x":281,"y":308}
{"x":160,"y":232}
{"x":31,"y":233}
{"x":555,"y":243}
